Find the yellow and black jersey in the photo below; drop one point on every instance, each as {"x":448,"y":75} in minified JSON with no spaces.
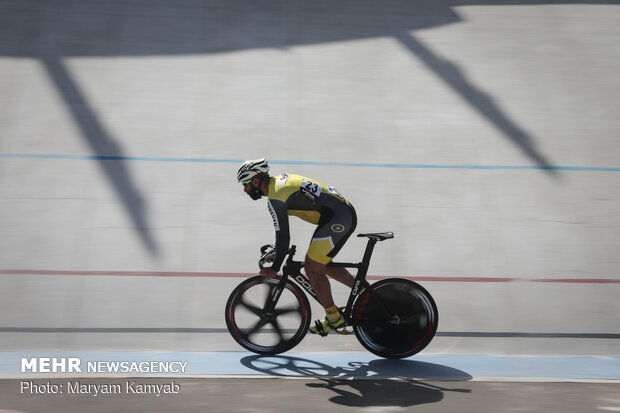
{"x":313,"y":202}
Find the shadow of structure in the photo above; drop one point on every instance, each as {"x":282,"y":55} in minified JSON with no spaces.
{"x":107,"y":150}
{"x":381,"y":382}
{"x":52,"y":31}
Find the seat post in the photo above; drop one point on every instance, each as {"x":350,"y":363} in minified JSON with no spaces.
{"x":368,"y":252}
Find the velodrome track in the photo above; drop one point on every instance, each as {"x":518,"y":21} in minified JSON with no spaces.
{"x":483,"y":134}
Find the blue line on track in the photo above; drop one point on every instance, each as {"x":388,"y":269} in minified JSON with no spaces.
{"x":317,"y":163}
{"x":341,"y":364}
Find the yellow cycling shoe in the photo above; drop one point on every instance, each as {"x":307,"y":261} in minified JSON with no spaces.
{"x":324,"y":327}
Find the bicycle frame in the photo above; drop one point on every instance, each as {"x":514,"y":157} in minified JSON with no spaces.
{"x":293,"y":268}
{"x":392,"y":318}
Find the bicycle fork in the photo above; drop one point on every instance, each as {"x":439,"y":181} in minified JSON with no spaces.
{"x":272,"y":298}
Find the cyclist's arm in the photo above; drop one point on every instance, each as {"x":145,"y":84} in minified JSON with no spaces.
{"x":278,"y":212}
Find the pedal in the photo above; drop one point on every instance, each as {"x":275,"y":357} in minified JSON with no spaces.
{"x":346,"y":330}
{"x":319,"y":329}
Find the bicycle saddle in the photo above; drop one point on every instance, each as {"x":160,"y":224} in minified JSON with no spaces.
{"x":379,"y":236}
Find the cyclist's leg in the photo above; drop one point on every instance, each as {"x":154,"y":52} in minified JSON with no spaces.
{"x":334,"y":229}
{"x":341,"y":275}
{"x":320,"y":284}
{"x":319,"y":250}
{"x":333,"y":320}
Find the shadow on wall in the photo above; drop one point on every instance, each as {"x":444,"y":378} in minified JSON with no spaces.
{"x":52,"y":31}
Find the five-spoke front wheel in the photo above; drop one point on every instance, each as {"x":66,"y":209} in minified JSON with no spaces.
{"x":260,"y":329}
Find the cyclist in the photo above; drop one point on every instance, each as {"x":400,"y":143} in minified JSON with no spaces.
{"x":313,"y":202}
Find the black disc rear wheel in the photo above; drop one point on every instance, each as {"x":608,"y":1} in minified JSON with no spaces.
{"x":263,"y":332}
{"x":395,"y":318}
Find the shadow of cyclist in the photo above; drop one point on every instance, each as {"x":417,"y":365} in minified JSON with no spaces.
{"x":377,"y":383}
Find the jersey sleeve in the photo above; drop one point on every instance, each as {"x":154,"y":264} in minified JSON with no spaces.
{"x":277,"y":209}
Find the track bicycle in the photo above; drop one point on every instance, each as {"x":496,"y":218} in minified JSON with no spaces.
{"x":392,"y":318}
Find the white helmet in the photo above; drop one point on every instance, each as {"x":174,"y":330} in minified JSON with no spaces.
{"x":251,"y":168}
